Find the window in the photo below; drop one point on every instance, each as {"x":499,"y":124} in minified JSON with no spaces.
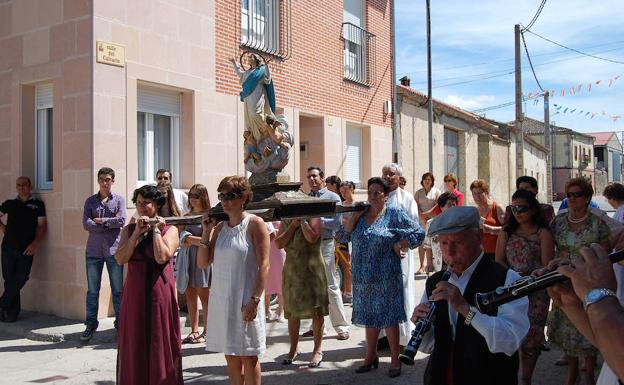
{"x":158,"y":133}
{"x":451,"y":152}
{"x":575,"y":152}
{"x":356,"y":42}
{"x":44,"y":136}
{"x":260,"y":25}
{"x":353,"y":169}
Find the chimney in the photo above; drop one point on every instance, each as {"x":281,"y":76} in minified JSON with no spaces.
{"x":405,"y":81}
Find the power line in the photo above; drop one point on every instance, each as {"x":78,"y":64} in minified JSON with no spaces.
{"x":537,"y":13}
{"x":510,"y":60}
{"x":574,"y":50}
{"x":501,"y":73}
{"x":530,"y":62}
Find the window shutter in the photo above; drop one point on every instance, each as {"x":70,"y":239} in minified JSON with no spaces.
{"x":158,"y":101}
{"x":354,"y":155}
{"x":44,"y":96}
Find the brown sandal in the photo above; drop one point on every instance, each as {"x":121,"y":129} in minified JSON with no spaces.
{"x":201,"y":338}
{"x":191,"y":338}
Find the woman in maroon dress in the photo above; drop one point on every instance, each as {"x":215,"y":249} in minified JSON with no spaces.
{"x":149,"y":350}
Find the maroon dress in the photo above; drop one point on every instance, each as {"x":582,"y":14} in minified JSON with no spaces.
{"x":149,"y":350}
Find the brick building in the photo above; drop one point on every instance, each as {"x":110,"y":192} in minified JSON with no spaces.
{"x":163,"y":94}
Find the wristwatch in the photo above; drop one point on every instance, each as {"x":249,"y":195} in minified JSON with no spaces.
{"x":470,"y":316}
{"x":597,"y":295}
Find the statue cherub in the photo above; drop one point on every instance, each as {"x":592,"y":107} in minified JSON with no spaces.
{"x":251,"y":147}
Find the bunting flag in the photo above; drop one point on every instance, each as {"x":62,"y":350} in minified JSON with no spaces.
{"x":577,"y":89}
{"x":560,"y":109}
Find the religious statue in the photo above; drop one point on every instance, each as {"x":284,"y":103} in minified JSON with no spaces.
{"x":268,"y":139}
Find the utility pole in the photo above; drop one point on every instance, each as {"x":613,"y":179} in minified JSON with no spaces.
{"x":519,"y":116}
{"x":547,"y":145}
{"x":429,"y":97}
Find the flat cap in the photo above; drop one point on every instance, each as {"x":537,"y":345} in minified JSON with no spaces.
{"x":454,"y":220}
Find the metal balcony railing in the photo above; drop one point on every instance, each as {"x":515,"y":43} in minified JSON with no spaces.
{"x":359,"y":51}
{"x":265,"y":26}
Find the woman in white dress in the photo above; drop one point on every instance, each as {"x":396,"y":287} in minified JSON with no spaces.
{"x":426,"y":197}
{"x":239,"y":252}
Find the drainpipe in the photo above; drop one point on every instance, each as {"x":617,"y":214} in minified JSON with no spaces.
{"x":396,"y":132}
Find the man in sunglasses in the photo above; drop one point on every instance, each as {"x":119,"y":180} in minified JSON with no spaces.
{"x":164,"y":176}
{"x":318,"y":188}
{"x":529,"y":183}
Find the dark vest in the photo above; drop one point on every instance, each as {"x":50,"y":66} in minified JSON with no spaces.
{"x":473,"y":363}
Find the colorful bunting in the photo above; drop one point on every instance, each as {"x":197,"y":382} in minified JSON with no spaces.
{"x":573,"y":90}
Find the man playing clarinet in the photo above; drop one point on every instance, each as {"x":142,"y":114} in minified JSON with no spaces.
{"x":469,"y":347}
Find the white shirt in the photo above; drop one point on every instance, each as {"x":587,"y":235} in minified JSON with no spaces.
{"x":181,"y":200}
{"x":503,"y":333}
{"x":405,"y":200}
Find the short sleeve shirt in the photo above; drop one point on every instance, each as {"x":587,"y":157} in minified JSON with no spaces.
{"x":21,"y":225}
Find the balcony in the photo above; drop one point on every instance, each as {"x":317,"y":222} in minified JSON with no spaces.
{"x":584,"y":162}
{"x":265,"y":26}
{"x":359,"y":51}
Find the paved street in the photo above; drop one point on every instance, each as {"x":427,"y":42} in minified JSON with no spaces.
{"x":26,"y":361}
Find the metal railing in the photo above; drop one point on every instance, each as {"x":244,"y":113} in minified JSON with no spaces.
{"x":359,"y":51}
{"x":265,"y":26}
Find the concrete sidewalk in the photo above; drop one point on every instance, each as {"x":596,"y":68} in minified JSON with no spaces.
{"x":49,"y":351}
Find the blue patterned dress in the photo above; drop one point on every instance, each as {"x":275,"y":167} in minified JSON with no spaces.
{"x":376,"y":268}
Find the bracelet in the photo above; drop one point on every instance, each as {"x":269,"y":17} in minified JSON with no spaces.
{"x":204,"y":244}
{"x":156,"y":230}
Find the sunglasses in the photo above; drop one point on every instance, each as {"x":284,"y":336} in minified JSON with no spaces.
{"x":193,"y":196}
{"x":519,"y":209}
{"x":575,"y":194}
{"x":228,"y":196}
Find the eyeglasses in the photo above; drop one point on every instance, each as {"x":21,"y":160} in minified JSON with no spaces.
{"x":193,"y":196}
{"x":575,"y":194}
{"x":228,"y":196}
{"x":375,"y":192}
{"x":519,"y":209}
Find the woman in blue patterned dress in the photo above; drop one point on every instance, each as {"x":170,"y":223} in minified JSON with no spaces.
{"x":380,"y":237}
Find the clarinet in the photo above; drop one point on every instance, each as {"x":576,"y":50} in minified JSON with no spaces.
{"x":422,"y":326}
{"x":487,"y":302}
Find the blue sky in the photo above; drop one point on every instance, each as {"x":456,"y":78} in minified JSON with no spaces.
{"x":473,"y":43}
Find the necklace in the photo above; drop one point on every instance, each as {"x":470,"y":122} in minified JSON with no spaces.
{"x":579,"y":220}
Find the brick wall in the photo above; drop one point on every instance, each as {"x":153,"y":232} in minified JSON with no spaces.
{"x":311,"y":79}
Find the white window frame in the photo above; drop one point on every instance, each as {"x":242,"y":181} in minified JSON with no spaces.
{"x":355,"y":44}
{"x":150,"y":156}
{"x":44,"y":137}
{"x":353,"y":152}
{"x":265,"y":35}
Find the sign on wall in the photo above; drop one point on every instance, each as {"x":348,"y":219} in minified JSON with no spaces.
{"x":110,"y":53}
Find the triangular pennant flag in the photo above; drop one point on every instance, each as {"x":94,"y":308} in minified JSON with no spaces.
{"x":598,"y":82}
{"x":588,"y":114}
{"x":578,"y":88}
{"x":617,"y":77}
{"x":572,"y":91}
{"x":592,"y":115}
{"x":566,"y":110}
{"x":563,"y":92}
{"x":571,"y":111}
{"x":589,"y":87}
{"x":610,"y":82}
{"x":580,"y":112}
{"x":558,"y":108}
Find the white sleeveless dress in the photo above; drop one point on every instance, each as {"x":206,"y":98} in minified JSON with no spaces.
{"x":234,"y":273}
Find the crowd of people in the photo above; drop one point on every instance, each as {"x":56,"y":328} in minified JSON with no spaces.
{"x":231,"y":269}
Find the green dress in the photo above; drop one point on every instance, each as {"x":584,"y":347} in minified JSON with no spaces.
{"x":304,"y":284}
{"x":561,"y":331}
